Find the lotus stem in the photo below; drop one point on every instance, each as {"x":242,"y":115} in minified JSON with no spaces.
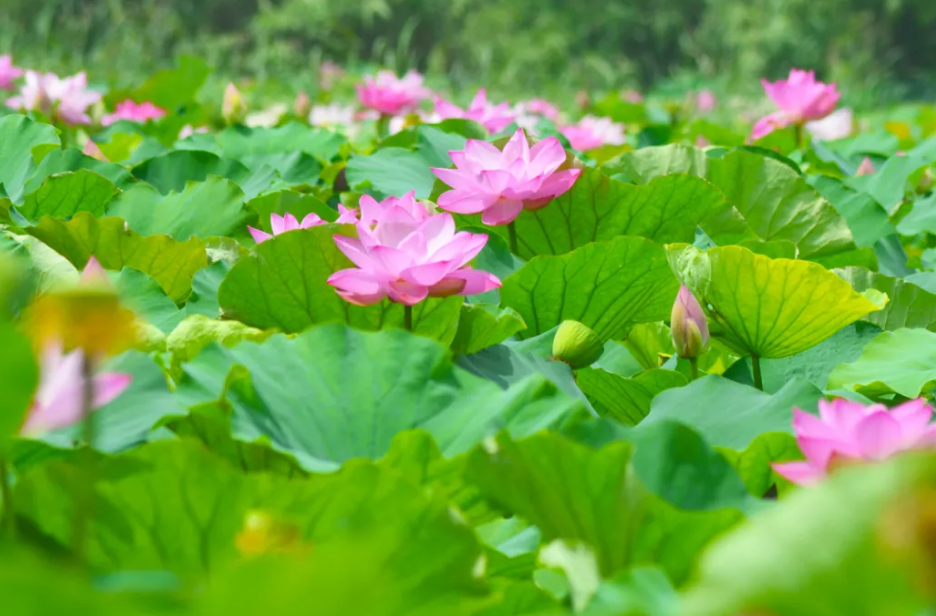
{"x":755,"y":364}
{"x":512,"y":235}
{"x":408,"y":318}
{"x":84,"y":503}
{"x":798,"y":132}
{"x":693,"y":368}
{"x":9,"y":512}
{"x":383,"y":126}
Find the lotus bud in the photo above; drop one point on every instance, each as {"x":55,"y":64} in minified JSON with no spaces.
{"x":688,"y":325}
{"x":577,"y":345}
{"x":302,"y":105}
{"x":234,"y":107}
{"x":865,"y":168}
{"x":265,"y":533}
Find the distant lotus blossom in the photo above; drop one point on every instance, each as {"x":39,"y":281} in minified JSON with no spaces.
{"x":837,"y":125}
{"x":267,"y":118}
{"x":688,"y":325}
{"x":8,"y":73}
{"x":494,"y":118}
{"x":329,"y":73}
{"x":233,"y":105}
{"x":527,"y":114}
{"x":865,"y":168}
{"x":332,"y":115}
{"x":398,"y":123}
{"x":288,"y":222}
{"x":592,"y":132}
{"x":302,"y":106}
{"x":58,"y":401}
{"x":632,"y":96}
{"x":706,"y":101}
{"x":392,"y":95}
{"x":801,"y":99}
{"x":134,"y":112}
{"x":500,"y":184}
{"x":846,"y":432}
{"x":66,"y":98}
{"x":404,"y":253}
{"x":582,"y":99}
{"x":188,"y":130}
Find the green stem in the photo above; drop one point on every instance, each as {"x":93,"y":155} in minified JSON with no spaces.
{"x":383,"y":126}
{"x":408,"y":318}
{"x":755,"y":364}
{"x":84,"y":501}
{"x":693,"y":368}
{"x":798,"y":132}
{"x":9,"y":513}
{"x":512,"y":234}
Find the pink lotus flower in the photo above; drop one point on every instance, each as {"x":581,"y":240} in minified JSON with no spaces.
{"x":592,"y":132}
{"x":706,"y":101}
{"x":282,"y":224}
{"x":404,"y":253}
{"x":134,"y":112}
{"x":391,"y":95}
{"x":688,"y":325}
{"x":66,"y":98}
{"x":494,"y":118}
{"x":632,"y":96}
{"x":188,"y":130}
{"x":58,"y":401}
{"x":847,"y":431}
{"x":8,"y":73}
{"x":541,"y":107}
{"x":800,"y":98}
{"x":500,"y":184}
{"x":329,"y":73}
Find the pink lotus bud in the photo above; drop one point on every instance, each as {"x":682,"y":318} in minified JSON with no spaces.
{"x":800,"y":98}
{"x":499,"y":184}
{"x":706,"y":101}
{"x":865,"y":168}
{"x":91,"y":149}
{"x":93,"y":272}
{"x":233,"y":107}
{"x":846,"y":432}
{"x":688,"y":325}
{"x":302,"y":105}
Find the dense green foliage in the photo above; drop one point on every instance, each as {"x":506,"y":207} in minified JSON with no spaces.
{"x":880,"y":49}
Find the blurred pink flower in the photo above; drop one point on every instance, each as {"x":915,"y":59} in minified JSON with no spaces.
{"x":66,"y":98}
{"x":391,"y":95}
{"x":188,"y":131}
{"x":706,"y":101}
{"x":688,"y":325}
{"x":134,"y":112}
{"x":800,"y":98}
{"x":847,"y":431}
{"x":632,"y":96}
{"x":500,"y":184}
{"x":404,"y":253}
{"x":329,"y":73}
{"x":865,"y":168}
{"x":288,"y":222}
{"x":592,"y":132}
{"x":8,"y":73}
{"x":494,"y":118}
{"x":91,"y":149}
{"x":58,"y":401}
{"x":527,"y":114}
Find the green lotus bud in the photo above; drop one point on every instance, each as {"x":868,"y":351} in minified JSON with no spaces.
{"x":233,"y":106}
{"x":577,"y":345}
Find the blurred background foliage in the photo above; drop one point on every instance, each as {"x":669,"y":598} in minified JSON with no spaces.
{"x":879,"y":50}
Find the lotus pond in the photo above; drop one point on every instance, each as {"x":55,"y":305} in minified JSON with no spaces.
{"x":385,"y":353}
